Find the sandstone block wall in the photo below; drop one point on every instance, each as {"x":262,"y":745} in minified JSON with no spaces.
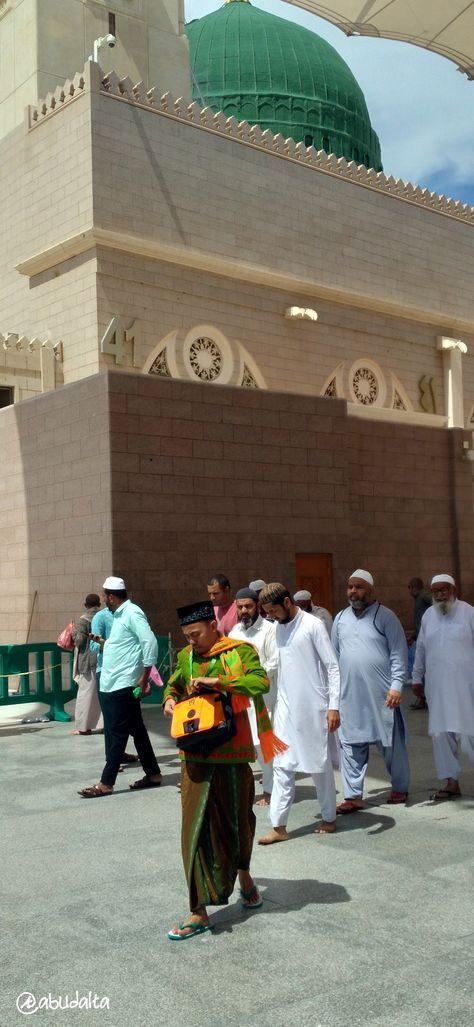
{"x":165,"y":482}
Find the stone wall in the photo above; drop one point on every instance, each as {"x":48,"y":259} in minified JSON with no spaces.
{"x":165,"y":482}
{"x":55,"y":524}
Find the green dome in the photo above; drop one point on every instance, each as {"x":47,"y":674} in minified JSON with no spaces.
{"x":270,"y":72}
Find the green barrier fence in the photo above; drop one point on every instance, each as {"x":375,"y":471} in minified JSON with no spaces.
{"x":41,"y":672}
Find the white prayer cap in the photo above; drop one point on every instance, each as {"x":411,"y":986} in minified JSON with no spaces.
{"x":445,"y":578}
{"x":302,"y":594}
{"x":114,"y":585}
{"x":364,"y":575}
{"x":257,"y":585}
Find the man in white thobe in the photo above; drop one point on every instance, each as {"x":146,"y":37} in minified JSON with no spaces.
{"x":260,"y":633}
{"x":304,"y":600}
{"x":306,"y":714}
{"x":372,"y":650}
{"x":444,"y":660}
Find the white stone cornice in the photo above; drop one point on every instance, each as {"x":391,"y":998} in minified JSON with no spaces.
{"x":372,"y":413}
{"x":154,"y":249}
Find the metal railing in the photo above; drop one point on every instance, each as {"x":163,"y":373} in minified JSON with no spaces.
{"x":41,"y":672}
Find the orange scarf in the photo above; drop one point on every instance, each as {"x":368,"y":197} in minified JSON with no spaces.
{"x":270,"y":744}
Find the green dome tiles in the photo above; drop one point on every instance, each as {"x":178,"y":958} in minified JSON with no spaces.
{"x":270,"y":72}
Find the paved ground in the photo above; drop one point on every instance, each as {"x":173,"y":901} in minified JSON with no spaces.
{"x":372,"y":926}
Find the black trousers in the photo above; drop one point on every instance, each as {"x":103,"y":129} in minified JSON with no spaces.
{"x":123,"y":717}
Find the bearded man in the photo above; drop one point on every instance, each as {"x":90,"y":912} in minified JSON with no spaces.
{"x":217,"y":789}
{"x":445,"y":661}
{"x":372,"y":650}
{"x":307,"y":711}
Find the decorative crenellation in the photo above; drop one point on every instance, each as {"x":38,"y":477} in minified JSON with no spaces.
{"x":92,"y":78}
{"x":15,"y":342}
{"x":53,"y":102}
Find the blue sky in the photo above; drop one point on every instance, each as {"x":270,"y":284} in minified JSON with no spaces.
{"x":420,"y":105}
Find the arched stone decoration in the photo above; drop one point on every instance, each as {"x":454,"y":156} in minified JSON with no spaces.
{"x":334,"y":385}
{"x":162,"y":360}
{"x":207,"y":355}
{"x":367,"y":384}
{"x":400,"y":399}
{"x":250,"y":376}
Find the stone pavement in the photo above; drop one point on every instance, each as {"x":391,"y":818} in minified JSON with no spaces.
{"x":371,"y":927}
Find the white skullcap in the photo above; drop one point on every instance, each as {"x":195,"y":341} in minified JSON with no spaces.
{"x":302,"y":594}
{"x":257,"y":585}
{"x":114,"y":585}
{"x":446,"y":578}
{"x":364,"y":575}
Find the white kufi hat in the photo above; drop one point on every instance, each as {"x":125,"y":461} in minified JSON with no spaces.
{"x":364,"y":575}
{"x":114,"y":585}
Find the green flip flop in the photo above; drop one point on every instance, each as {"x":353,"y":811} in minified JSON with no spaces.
{"x":193,"y":930}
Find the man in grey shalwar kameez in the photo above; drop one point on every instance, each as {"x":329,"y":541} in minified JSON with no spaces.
{"x":372,"y":650}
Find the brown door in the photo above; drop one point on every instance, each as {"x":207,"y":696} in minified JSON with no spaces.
{"x":314,"y":572}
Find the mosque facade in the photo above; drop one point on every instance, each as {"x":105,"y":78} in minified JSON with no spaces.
{"x":240,"y":352}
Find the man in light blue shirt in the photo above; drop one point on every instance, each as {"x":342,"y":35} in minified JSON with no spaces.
{"x":371,"y":645}
{"x":128,"y":656}
{"x":101,"y":626}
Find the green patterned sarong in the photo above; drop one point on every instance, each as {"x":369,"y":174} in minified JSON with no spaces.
{"x":218,"y":828}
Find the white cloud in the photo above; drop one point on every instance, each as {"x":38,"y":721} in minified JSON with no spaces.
{"x":420,"y":105}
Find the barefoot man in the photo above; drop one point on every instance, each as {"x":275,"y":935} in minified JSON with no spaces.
{"x":217,"y":790}
{"x":306,"y":714}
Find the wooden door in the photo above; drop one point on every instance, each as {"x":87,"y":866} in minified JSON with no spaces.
{"x":314,"y":572}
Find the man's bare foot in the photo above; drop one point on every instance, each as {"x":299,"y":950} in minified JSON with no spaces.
{"x":350,"y":806}
{"x":263,"y":800}
{"x":325,"y":827}
{"x":277,"y":834}
{"x":81,"y":732}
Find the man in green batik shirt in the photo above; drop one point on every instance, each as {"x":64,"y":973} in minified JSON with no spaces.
{"x":217,"y":791}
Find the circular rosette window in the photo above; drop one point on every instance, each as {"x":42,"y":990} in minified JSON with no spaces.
{"x":205,"y":358}
{"x":208,"y":355}
{"x":367,"y":384}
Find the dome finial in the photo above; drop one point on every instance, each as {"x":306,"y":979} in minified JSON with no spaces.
{"x":237,"y":1}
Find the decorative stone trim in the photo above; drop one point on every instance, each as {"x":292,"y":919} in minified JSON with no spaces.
{"x":372,"y":413}
{"x":162,"y":358}
{"x":208,"y":355}
{"x":54,"y":102}
{"x":89,"y":237}
{"x":400,"y":398}
{"x":250,"y":376}
{"x":204,"y":118}
{"x":366,"y":383}
{"x":334,"y":385}
{"x":14,"y":341}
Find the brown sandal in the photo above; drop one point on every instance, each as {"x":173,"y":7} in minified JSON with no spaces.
{"x":443,"y":794}
{"x":94,"y":792}
{"x":144,"y":782}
